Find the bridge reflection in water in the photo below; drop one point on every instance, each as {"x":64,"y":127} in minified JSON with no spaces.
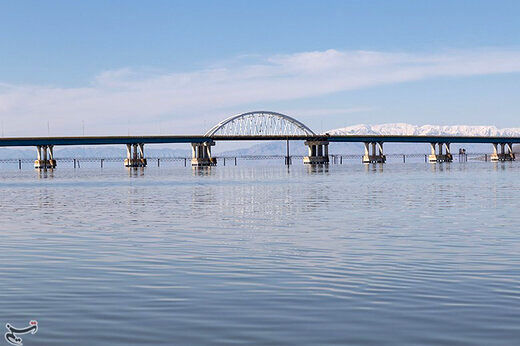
{"x":261,"y":126}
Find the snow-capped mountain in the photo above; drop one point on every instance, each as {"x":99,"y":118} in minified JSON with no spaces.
{"x":424,"y":130}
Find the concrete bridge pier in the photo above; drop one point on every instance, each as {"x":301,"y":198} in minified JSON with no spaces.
{"x":505,"y":154}
{"x":45,"y":157}
{"x":201,"y":154}
{"x":377,"y":155}
{"x":440,"y":156}
{"x":318,"y":152}
{"x":135,"y":157}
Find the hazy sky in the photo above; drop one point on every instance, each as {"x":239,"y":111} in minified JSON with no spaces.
{"x":150,"y":67}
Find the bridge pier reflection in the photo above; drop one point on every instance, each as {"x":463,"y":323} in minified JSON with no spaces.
{"x":136,"y":172}
{"x":506,"y":152}
{"x":45,"y":158}
{"x":318,"y":152}
{"x":317,"y":168}
{"x":201,"y":154}
{"x":377,"y":155}
{"x":135,"y":157}
{"x":202,"y":171}
{"x":440,"y":156}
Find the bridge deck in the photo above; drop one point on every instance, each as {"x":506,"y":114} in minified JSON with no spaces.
{"x":105,"y":140}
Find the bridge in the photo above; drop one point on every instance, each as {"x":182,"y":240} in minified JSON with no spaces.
{"x":261,"y":126}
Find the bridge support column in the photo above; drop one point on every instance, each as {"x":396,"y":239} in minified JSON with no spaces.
{"x":440,"y":156}
{"x":45,"y":158}
{"x":377,"y":155}
{"x":318,"y":152}
{"x":135,"y":157}
{"x":505,"y":154}
{"x":201,"y":154}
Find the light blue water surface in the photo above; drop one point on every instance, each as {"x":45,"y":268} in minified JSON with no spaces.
{"x":401,"y":254}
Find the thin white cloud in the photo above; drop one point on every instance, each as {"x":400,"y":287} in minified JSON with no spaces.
{"x":127,"y":97}
{"x":325,"y":112}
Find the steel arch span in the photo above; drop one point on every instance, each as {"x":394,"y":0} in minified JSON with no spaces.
{"x":260,"y":123}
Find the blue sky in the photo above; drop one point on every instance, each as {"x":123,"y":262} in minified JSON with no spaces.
{"x":178,"y":67}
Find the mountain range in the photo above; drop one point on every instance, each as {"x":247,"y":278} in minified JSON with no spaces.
{"x":425,"y":130}
{"x":278,"y":148}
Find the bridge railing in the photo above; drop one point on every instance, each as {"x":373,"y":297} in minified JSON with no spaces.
{"x":472,"y":156}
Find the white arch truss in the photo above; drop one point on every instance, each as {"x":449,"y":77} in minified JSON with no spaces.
{"x":260,"y":123}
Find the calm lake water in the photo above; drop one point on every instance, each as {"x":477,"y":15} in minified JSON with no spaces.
{"x":404,"y":254}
